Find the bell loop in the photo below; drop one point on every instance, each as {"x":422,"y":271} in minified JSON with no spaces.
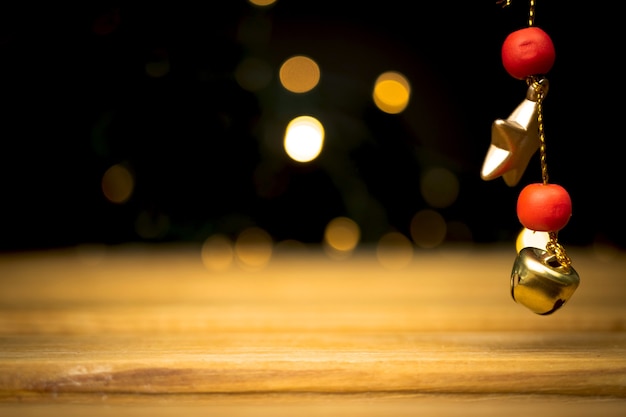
{"x":554,"y":247}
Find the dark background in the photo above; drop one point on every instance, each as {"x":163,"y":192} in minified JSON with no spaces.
{"x":76,"y":100}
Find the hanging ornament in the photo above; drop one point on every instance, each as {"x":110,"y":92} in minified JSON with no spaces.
{"x":542,"y":279}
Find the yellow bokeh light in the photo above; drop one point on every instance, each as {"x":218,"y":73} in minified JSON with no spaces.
{"x":428,"y":228}
{"x":299,"y":74}
{"x":439,"y":187}
{"x":531,"y":239}
{"x":394,"y":251}
{"x":254,"y":248}
{"x":262,"y":3}
{"x":117,"y":184}
{"x":341,"y":237}
{"x":217,"y":253}
{"x":392,"y":92}
{"x":304,"y":138}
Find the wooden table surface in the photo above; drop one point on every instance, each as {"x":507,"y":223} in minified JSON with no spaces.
{"x":150,"y":330}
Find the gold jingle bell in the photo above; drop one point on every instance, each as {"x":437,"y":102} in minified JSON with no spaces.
{"x":540,"y":282}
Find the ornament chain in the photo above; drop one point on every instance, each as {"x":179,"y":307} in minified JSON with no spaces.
{"x":553,"y":246}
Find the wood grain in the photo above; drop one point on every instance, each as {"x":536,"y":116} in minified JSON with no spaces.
{"x":139,"y":325}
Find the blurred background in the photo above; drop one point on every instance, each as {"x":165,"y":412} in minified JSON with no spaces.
{"x":170,"y":122}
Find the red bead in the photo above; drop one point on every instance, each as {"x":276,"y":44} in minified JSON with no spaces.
{"x":544,"y":207}
{"x":527,"y":52}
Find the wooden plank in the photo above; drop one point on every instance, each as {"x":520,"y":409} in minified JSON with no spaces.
{"x":460,"y":363}
{"x":287,"y":405}
{"x":468,"y":291}
{"x":439,"y":333}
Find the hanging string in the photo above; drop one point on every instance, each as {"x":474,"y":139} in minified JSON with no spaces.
{"x":531,"y":14}
{"x":553,"y":246}
{"x":536,"y":84}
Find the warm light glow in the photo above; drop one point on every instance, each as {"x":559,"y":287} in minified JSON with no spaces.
{"x":299,"y":74}
{"x":253,"y":248}
{"x":531,"y":239}
{"x":394,"y":251}
{"x":439,"y":187}
{"x":217,"y":253}
{"x":117,"y":184}
{"x":262,"y":2}
{"x":392,"y":92}
{"x":341,"y":237}
{"x":304,"y":138}
{"x":428,"y":228}
{"x":253,"y":74}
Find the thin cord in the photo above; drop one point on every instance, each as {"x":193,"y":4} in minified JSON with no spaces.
{"x":542,"y":134}
{"x":553,"y":246}
{"x":531,"y":14}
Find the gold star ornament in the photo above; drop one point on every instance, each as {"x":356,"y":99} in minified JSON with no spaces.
{"x":515,"y":140}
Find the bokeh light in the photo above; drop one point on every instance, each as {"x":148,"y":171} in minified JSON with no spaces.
{"x":439,"y":187}
{"x":253,"y":248}
{"x":392,"y":92}
{"x":299,"y":74}
{"x":304,"y":138}
{"x":118,"y":184}
{"x":428,"y":228}
{"x":217,"y":252}
{"x":262,"y":3}
{"x":211,"y":130}
{"x":394,"y":251}
{"x":341,"y":237}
